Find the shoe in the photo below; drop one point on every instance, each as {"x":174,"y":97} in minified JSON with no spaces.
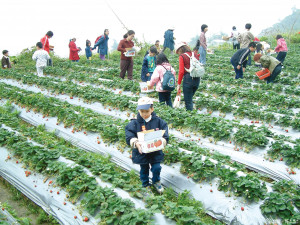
{"x":158,"y":187}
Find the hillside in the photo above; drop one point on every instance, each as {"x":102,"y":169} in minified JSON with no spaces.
{"x":289,"y":24}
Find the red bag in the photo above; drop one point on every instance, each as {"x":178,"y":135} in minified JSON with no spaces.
{"x":98,"y":38}
{"x":262,"y":74}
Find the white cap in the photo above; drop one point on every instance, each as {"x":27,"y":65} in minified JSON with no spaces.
{"x":178,"y":45}
{"x":144,"y":103}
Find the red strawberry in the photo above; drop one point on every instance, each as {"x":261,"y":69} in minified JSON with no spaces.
{"x":50,"y":182}
{"x":281,"y":159}
{"x":120,"y":92}
{"x":51,"y":191}
{"x":85,"y":219}
{"x":293,"y":172}
{"x":211,"y":190}
{"x":286,"y":130}
{"x":65,"y":203}
{"x":229,"y":142}
{"x":8,"y":157}
{"x":130,"y":156}
{"x":75,"y":217}
{"x":98,"y":142}
{"x":3,"y":209}
{"x":71,"y":97}
{"x":242,"y":208}
{"x":17,"y":161}
{"x":58,"y":192}
{"x":252,"y":121}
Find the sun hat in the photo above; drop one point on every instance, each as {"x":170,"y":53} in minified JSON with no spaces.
{"x":144,"y":103}
{"x":178,"y":45}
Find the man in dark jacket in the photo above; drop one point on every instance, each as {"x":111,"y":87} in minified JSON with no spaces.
{"x":169,"y":40}
{"x":147,"y":120}
{"x":240,"y":58}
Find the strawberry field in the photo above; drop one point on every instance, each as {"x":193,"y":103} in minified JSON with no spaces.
{"x":235,"y":159}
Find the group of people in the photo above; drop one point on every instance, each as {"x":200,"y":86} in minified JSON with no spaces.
{"x":249,"y":44}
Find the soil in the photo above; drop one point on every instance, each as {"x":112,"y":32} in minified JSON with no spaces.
{"x":21,"y":210}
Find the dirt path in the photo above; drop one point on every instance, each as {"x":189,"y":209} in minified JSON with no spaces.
{"x":22,"y":206}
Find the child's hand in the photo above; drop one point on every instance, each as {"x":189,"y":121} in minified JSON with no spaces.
{"x":238,"y":67}
{"x":244,"y":69}
{"x":148,"y":74}
{"x":139,"y":147}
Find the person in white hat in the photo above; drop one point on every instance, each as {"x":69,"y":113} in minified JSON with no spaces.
{"x":190,"y":85}
{"x":147,"y":120}
{"x":169,"y":40}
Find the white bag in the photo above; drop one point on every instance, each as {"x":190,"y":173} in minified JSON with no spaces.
{"x":177,"y":99}
{"x":196,"y":69}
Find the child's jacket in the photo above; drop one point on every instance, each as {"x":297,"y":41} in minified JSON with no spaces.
{"x":41,"y":57}
{"x":134,"y":127}
{"x":146,"y":68}
{"x":5,"y":62}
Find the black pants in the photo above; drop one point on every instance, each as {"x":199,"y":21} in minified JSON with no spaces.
{"x":281,"y":56}
{"x":274,"y":74}
{"x":190,"y":86}
{"x":237,"y":46}
{"x":165,"y":97}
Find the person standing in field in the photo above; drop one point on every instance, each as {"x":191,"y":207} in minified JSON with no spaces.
{"x":102,"y":45}
{"x":5,"y":62}
{"x":281,"y":48}
{"x":234,"y":36}
{"x":157,"y":78}
{"x":88,"y":50}
{"x":190,"y":85}
{"x":41,"y":57}
{"x":147,"y":120}
{"x":245,"y":39}
{"x":149,"y":64}
{"x":46,"y":46}
{"x":157,"y":46}
{"x":126,"y":63}
{"x":203,"y":44}
{"x":169,"y":40}
{"x":74,"y":51}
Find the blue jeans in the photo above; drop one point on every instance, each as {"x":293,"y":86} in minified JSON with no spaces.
{"x":144,"y":173}
{"x":190,"y":86}
{"x":202,"y":52}
{"x":75,"y":60}
{"x":238,"y":72}
{"x":165,"y":97}
{"x":274,"y":74}
{"x":281,"y":56}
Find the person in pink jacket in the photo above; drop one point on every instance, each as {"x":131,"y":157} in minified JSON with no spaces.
{"x":162,"y":64}
{"x":281,"y":48}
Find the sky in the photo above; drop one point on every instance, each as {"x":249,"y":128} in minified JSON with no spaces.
{"x":25,"y":22}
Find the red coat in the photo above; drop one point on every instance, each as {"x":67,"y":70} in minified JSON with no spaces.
{"x":184,"y":62}
{"x":73,"y":51}
{"x":45,"y":42}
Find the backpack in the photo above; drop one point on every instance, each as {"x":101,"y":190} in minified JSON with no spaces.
{"x":196,"y":69}
{"x":99,"y":38}
{"x":168,"y":83}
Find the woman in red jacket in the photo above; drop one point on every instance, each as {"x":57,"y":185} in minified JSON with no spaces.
{"x":74,"y":50}
{"x":190,"y":85}
{"x":126,"y":63}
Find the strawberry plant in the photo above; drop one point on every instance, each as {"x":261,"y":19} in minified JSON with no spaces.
{"x":277,"y":204}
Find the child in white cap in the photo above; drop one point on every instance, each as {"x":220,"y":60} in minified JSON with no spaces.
{"x":147,"y":120}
